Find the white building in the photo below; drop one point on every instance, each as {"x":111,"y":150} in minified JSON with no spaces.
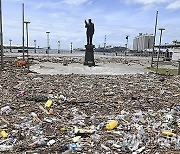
{"x":176,"y":54}
{"x":143,"y":42}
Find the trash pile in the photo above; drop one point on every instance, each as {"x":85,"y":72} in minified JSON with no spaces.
{"x":88,"y":114}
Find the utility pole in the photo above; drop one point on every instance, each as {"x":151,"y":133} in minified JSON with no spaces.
{"x":10,"y":45}
{"x":34,"y":46}
{"x":161,"y":30}
{"x":27,"y":41}
{"x":1,"y":37}
{"x":23,"y":30}
{"x":155,"y":29}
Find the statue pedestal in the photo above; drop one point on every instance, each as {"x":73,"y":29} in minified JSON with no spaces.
{"x":89,"y":55}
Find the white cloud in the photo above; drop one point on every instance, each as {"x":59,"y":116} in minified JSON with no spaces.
{"x":174,"y":5}
{"x":147,"y":1}
{"x":75,"y":2}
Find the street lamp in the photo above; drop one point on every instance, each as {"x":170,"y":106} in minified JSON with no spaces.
{"x":23,"y":30}
{"x":71,"y":47}
{"x":34,"y":46}
{"x":161,"y":30}
{"x":10,"y":45}
{"x":1,"y":37}
{"x":154,"y":41}
{"x":48,"y":46}
{"x":59,"y":46}
{"x":127,"y":37}
{"x":27,"y":41}
{"x":105,"y":42}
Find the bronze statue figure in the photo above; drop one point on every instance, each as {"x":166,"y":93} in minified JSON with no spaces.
{"x":90,"y":31}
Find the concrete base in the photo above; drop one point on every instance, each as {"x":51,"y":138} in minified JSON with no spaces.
{"x":89,"y":55}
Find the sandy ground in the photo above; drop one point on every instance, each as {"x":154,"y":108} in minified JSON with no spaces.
{"x":115,"y":65}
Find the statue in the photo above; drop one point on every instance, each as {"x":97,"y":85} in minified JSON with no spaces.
{"x":90,"y":31}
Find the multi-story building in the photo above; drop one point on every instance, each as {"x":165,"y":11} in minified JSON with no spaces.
{"x":143,"y":42}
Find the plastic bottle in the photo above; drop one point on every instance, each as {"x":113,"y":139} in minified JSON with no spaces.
{"x":4,"y":134}
{"x":73,"y":146}
{"x":168,"y":133}
{"x":101,"y":125}
{"x":6,"y":109}
{"x":48,"y":103}
{"x":6,"y":147}
{"x":34,"y":115}
{"x":177,"y":146}
{"x":111,"y":125}
{"x":51,"y":142}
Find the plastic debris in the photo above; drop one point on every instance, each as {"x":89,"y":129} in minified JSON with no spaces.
{"x":4,"y":134}
{"x":6,"y":109}
{"x":168,"y":133}
{"x":74,"y":120}
{"x":111,"y":125}
{"x":48,"y":103}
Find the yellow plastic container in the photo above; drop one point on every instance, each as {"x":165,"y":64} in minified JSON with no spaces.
{"x":111,"y":125}
{"x":48,"y":103}
{"x":178,"y":124}
{"x":4,"y":134}
{"x":168,"y":133}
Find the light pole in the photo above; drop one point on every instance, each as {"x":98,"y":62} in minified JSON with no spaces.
{"x":179,"y":67}
{"x":155,"y":29}
{"x":105,"y":42}
{"x":27,"y":41}
{"x":71,"y":47}
{"x":48,"y":46}
{"x":59,"y":46}
{"x":127,"y":37}
{"x":23,"y":30}
{"x":161,"y":30}
{"x":1,"y":37}
{"x":34,"y":46}
{"x":10,"y":45}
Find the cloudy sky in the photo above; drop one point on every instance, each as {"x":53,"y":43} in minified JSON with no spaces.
{"x":65,"y":20}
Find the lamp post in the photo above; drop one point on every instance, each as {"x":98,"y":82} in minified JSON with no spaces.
{"x":179,"y":67}
{"x":127,"y":37}
{"x":10,"y":45}
{"x":155,"y":29}
{"x":161,"y":30}
{"x":59,"y":46}
{"x":34,"y":46}
{"x":1,"y":37}
{"x":27,"y":41}
{"x":48,"y":46}
{"x":71,"y":47}
{"x":23,"y":30}
{"x":105,"y":42}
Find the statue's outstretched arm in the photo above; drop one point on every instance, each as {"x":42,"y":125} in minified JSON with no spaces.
{"x":86,"y":25}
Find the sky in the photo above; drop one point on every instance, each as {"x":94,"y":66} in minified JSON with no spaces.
{"x":64,"y":19}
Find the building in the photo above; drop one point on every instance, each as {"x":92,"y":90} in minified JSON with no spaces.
{"x":143,"y":42}
{"x":172,"y":49}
